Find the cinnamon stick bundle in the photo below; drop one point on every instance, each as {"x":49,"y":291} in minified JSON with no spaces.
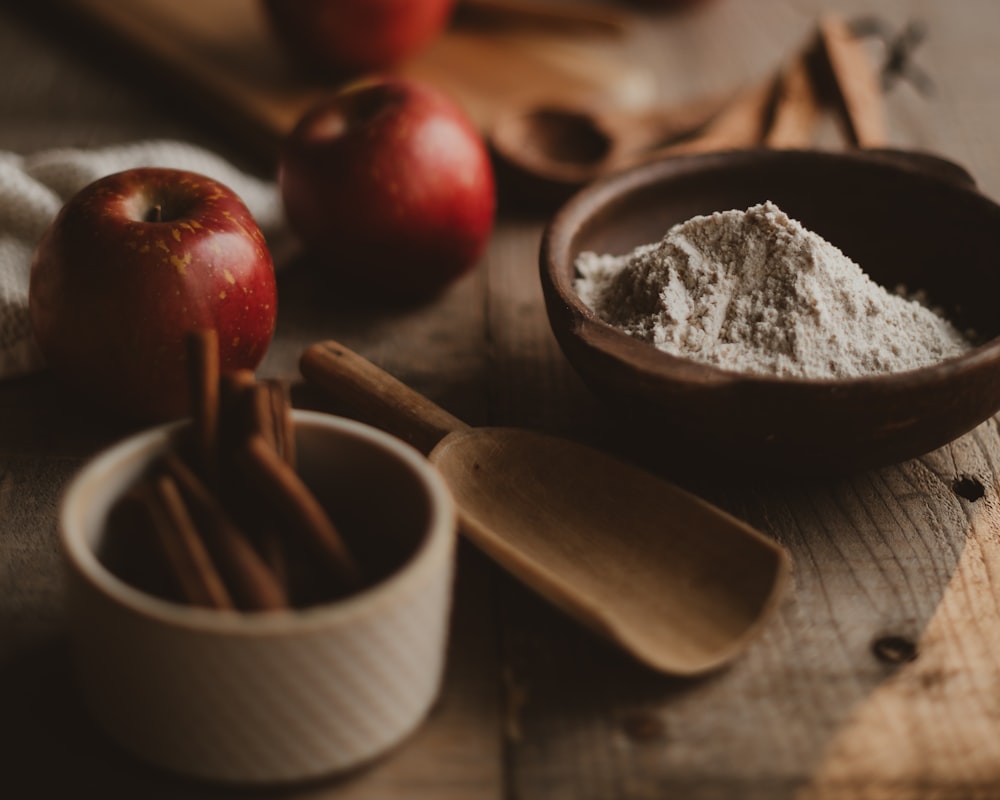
{"x":227,"y":507}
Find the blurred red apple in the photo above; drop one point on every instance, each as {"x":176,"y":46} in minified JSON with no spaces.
{"x":353,"y":36}
{"x":132,"y":263}
{"x":391,"y":184}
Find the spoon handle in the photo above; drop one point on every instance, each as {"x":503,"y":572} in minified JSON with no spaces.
{"x":369,"y":393}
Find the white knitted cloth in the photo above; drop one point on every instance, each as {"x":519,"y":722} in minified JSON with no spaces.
{"x":34,"y":187}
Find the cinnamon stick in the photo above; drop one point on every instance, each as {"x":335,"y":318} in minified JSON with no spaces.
{"x":251,"y":579}
{"x":742,"y":123}
{"x":202,"y":348}
{"x":187,"y":557}
{"x":266,"y":472}
{"x":796,"y":107}
{"x":249,"y":406}
{"x":269,"y":415}
{"x":854,"y":81}
{"x":279,"y":408}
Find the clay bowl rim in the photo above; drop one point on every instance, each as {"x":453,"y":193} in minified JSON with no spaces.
{"x":557,"y":271}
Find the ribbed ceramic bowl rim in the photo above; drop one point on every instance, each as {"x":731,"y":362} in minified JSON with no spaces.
{"x":141,"y":447}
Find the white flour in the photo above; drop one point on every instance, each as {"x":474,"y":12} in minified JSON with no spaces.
{"x":756,"y":292}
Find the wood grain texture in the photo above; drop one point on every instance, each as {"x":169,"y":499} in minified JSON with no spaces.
{"x":812,"y":711}
{"x":878,"y":679}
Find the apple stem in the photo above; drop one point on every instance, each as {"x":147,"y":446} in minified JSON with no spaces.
{"x":155,"y":214}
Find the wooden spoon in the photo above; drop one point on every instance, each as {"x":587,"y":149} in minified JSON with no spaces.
{"x":676,"y":582}
{"x":571,"y":146}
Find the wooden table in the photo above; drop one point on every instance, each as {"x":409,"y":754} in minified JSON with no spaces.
{"x":880,"y":676}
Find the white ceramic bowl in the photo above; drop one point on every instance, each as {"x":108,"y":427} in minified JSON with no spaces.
{"x":279,"y":696}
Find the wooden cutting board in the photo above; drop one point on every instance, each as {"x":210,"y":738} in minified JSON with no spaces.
{"x":221,"y":54}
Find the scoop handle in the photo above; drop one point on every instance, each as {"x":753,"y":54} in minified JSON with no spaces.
{"x":372,"y":395}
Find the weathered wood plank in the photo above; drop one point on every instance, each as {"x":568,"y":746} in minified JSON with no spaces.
{"x":825,"y":704}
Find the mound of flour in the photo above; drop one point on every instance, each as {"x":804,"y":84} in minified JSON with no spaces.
{"x":755,"y":291}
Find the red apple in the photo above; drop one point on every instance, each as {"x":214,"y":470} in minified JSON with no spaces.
{"x":353,"y":36}
{"x":391,"y":184}
{"x":132,"y":263}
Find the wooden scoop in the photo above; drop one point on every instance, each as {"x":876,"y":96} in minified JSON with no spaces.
{"x":571,"y":146}
{"x":676,"y":582}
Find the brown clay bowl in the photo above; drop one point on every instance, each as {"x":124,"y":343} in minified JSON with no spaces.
{"x":906,"y":218}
